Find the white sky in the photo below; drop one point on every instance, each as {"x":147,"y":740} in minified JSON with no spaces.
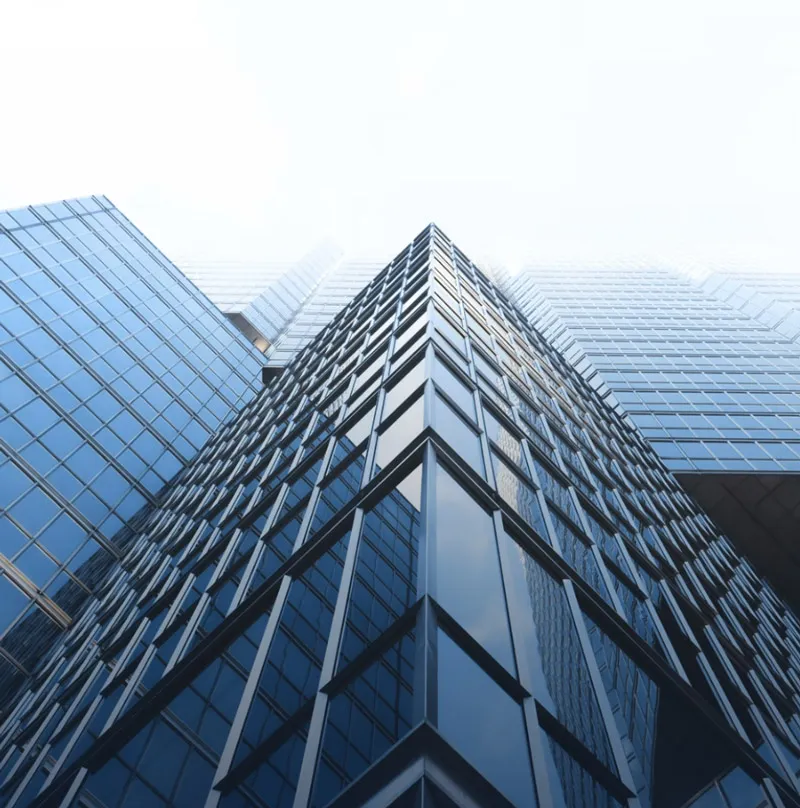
{"x":563,"y":131}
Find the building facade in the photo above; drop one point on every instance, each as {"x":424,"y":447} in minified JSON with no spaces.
{"x":772,"y":298}
{"x":263,"y":300}
{"x":427,"y":566}
{"x":114,"y":371}
{"x":338,"y":287}
{"x":712,"y":386}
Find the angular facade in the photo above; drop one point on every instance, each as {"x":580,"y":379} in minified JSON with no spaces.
{"x":262,"y":301}
{"x":427,"y":566}
{"x":773,"y":298}
{"x":713,"y":387}
{"x":114,"y":371}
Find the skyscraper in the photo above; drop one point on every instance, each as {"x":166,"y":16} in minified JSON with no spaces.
{"x":334,"y":292}
{"x":713,"y":387}
{"x":262,"y":300}
{"x":114,"y":371}
{"x":427,"y":566}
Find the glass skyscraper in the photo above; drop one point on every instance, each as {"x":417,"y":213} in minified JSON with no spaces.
{"x":262,"y":300}
{"x":428,"y":565}
{"x":710,"y":376}
{"x":114,"y":371}
{"x":336,"y":290}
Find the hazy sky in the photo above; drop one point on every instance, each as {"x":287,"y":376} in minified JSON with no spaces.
{"x":556,"y":131}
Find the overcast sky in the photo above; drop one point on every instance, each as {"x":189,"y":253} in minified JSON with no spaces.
{"x":563,"y":131}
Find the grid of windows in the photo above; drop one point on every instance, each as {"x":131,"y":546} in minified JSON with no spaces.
{"x":276,"y":658}
{"x":114,"y":371}
{"x":712,"y":387}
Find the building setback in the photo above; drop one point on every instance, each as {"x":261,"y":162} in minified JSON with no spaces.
{"x":426,"y":566}
{"x":114,"y":371}
{"x":262,"y":300}
{"x":712,"y":383}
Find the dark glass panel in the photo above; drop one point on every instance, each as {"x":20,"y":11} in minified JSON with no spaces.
{"x":559,"y":663}
{"x":385,"y":582}
{"x":294,"y":662}
{"x":483,"y":723}
{"x":368,"y":716}
{"x":468,"y":581}
{"x":455,"y":430}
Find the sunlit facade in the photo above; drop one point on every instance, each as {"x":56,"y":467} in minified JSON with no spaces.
{"x":427,"y":566}
{"x":114,"y":371}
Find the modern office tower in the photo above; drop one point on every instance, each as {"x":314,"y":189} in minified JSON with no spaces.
{"x":426,"y":566}
{"x":262,"y":300}
{"x":773,"y":298}
{"x":336,"y":290}
{"x":114,"y":371}
{"x":714,"y":390}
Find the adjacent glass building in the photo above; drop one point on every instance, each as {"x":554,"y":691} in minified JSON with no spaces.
{"x":336,"y":290}
{"x":262,"y":300}
{"x":715,"y":387}
{"x":773,"y":298}
{"x":428,"y":565}
{"x":114,"y":371}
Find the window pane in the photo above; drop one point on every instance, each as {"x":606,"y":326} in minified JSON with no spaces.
{"x":447,"y":381}
{"x":399,"y":435}
{"x":365,"y":719}
{"x":468,"y":582}
{"x":483,"y":723}
{"x":454,"y":429}
{"x":560,"y":663}
{"x":385,"y":582}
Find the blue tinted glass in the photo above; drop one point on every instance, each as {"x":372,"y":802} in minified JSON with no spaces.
{"x":365,"y":719}
{"x":293,"y":666}
{"x":578,"y":788}
{"x":741,"y":790}
{"x":385,"y":582}
{"x":34,"y":511}
{"x":12,"y":602}
{"x":557,"y":658}
{"x":483,"y":723}
{"x":468,"y":582}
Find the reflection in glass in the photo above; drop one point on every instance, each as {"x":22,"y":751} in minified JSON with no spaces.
{"x":385,"y":582}
{"x":560,"y":661}
{"x":468,"y":581}
{"x":399,"y":435}
{"x":365,"y":719}
{"x":454,"y":429}
{"x":578,"y":788}
{"x":483,"y":723}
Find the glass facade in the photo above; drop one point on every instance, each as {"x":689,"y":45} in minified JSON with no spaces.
{"x":428,"y":565}
{"x":262,"y":301}
{"x":114,"y":371}
{"x":335,"y":291}
{"x":772,"y":298}
{"x":709,"y":371}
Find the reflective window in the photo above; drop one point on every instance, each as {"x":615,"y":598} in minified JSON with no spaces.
{"x":399,"y":434}
{"x":385,"y":582}
{"x":458,"y":433}
{"x":365,"y":719}
{"x":468,"y":581}
{"x":483,"y":723}
{"x":460,"y":394}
